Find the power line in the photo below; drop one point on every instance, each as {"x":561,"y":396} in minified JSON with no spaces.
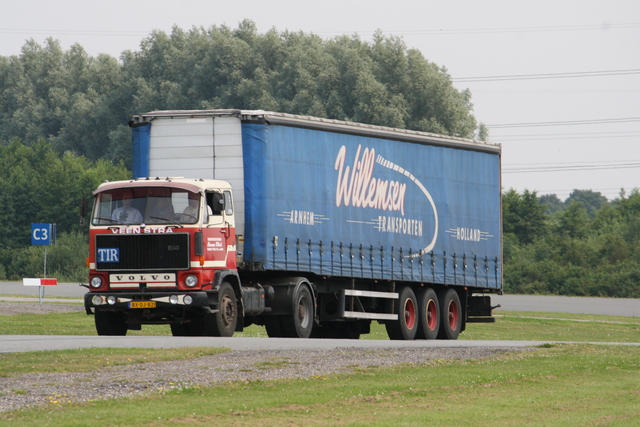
{"x":548,"y":76}
{"x":571,"y":168}
{"x":565,"y":123}
{"x":436,"y":32}
{"x":458,"y":31}
{"x":568,"y":135}
{"x":508,"y":138}
{"x":73,"y":32}
{"x":573,"y":163}
{"x":559,"y":91}
{"x":576,"y":138}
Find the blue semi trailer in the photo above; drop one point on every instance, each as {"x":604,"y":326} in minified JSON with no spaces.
{"x":328,"y":225}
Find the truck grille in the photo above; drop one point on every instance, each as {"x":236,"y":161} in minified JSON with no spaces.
{"x":143,"y":252}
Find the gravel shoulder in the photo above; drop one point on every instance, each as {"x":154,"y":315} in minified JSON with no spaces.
{"x":24,"y":390}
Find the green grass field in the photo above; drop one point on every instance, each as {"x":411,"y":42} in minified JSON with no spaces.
{"x":527,"y":326}
{"x":555,"y":385}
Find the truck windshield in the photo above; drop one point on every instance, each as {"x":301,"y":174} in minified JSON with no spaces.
{"x":146,"y":205}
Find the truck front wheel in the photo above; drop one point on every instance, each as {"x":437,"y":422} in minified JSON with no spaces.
{"x":191,"y":328}
{"x":110,"y":323}
{"x":406,"y":327}
{"x":223,"y":322}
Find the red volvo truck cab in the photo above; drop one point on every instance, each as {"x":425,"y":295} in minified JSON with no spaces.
{"x":163,"y":251}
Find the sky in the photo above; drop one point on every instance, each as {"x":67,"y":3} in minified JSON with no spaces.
{"x":557,"y":82}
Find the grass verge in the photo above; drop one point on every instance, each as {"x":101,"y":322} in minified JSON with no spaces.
{"x":564,"y":385}
{"x":508,"y":326}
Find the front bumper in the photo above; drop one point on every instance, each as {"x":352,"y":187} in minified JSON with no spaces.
{"x":137,"y":300}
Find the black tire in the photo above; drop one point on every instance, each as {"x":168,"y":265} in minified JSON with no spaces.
{"x":179,"y":330}
{"x":299,"y":323}
{"x":193,"y":328}
{"x":110,"y":323}
{"x":450,"y":314}
{"x":406,"y":327}
{"x":223,"y":322}
{"x":429,"y":314}
{"x":349,"y":330}
{"x":273,"y":325}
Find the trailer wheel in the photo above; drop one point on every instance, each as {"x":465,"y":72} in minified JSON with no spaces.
{"x":300,"y":323}
{"x":406,"y":327}
{"x":451,"y":314}
{"x":429,"y":312}
{"x":223,"y":322}
{"x":110,"y":323}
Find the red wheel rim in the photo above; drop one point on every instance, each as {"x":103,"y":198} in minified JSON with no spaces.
{"x":409,"y":314}
{"x":432,"y":315}
{"x":454,"y":315}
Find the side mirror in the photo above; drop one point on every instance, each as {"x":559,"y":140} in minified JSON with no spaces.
{"x":199,"y":243}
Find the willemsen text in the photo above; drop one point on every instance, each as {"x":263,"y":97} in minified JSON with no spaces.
{"x":357,"y":186}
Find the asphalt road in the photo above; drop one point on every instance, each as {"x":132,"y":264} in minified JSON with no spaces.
{"x":587,"y":305}
{"x":20,"y":343}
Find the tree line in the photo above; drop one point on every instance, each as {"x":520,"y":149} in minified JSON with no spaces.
{"x":585,"y":245}
{"x":39,"y":185}
{"x":82,"y":104}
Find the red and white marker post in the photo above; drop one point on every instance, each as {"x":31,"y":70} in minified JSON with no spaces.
{"x":39,"y":282}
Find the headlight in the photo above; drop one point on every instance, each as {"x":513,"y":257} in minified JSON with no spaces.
{"x":111,"y":300}
{"x":96,"y":281}
{"x":191,"y":281}
{"x":96,"y":300}
{"x":187,"y":299}
{"x":173,"y":299}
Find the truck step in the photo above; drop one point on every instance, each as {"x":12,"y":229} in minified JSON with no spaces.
{"x":372,"y":316}
{"x":370,"y":294}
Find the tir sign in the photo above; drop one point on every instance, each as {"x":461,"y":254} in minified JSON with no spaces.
{"x":109,"y":255}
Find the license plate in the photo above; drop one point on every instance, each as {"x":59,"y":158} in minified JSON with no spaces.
{"x":142,"y":304}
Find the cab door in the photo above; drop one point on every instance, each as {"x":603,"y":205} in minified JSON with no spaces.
{"x":219,"y":231}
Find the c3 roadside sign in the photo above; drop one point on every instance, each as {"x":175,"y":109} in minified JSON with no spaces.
{"x":43,"y":234}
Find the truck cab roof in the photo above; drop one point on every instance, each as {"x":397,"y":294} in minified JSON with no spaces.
{"x":189,"y":184}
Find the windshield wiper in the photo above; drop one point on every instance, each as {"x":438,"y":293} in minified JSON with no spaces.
{"x":171,"y":221}
{"x":104,"y":219}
